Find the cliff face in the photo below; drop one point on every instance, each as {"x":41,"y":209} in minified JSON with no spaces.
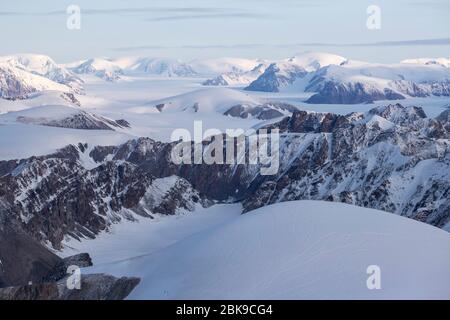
{"x":23,"y":259}
{"x":392,"y":158}
{"x":29,"y":271}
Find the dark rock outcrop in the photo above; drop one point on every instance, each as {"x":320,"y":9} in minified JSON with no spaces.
{"x":263,"y":112}
{"x":392,"y":158}
{"x":22,"y":258}
{"x":276,"y":77}
{"x":92,"y":287}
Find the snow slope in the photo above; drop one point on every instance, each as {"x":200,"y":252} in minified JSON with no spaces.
{"x":100,"y":67}
{"x":312,"y":61}
{"x":17,"y":83}
{"x":211,"y":100}
{"x":444,"y":62}
{"x":238,"y":77}
{"x":358,"y":82}
{"x":61,"y":116}
{"x":284,"y":74}
{"x":224,"y":65}
{"x":290,"y":250}
{"x":44,"y":66}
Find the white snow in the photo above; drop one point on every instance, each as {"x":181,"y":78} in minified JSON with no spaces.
{"x":291,"y":250}
{"x":31,"y":80}
{"x":312,"y":61}
{"x":444,"y":62}
{"x":211,"y":100}
{"x":375,"y":72}
{"x":224,"y":65}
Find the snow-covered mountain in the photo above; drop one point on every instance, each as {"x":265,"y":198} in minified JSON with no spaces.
{"x":236,"y":69}
{"x":165,"y":67}
{"x":391,"y":158}
{"x":218,"y":66}
{"x":16,"y":83}
{"x":237,"y":77}
{"x":63,"y":117}
{"x":100,"y":67}
{"x":291,"y":250}
{"x":359,"y":82}
{"x":444,"y":62}
{"x":44,"y":66}
{"x":285,"y":73}
{"x":332,"y":79}
{"x":114,"y":69}
{"x":223,"y":101}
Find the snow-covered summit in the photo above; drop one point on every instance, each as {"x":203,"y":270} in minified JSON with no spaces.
{"x":284,"y":73}
{"x":16,"y":83}
{"x":44,"y":66}
{"x":223,"y":101}
{"x":237,"y":77}
{"x":359,"y":82}
{"x":444,"y":62}
{"x":210,"y":100}
{"x":63,"y":117}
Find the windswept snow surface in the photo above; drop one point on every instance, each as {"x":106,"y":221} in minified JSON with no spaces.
{"x":290,"y":250}
{"x":312,"y":61}
{"x":214,"y":100}
{"x":224,"y":65}
{"x":444,"y":62}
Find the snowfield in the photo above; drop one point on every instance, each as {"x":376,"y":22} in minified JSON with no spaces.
{"x":214,"y":100}
{"x":290,"y":250}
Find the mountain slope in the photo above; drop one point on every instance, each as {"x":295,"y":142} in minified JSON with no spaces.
{"x":444,"y":62}
{"x":44,"y":66}
{"x":219,"y":66}
{"x":237,"y":77}
{"x":62,"y":117}
{"x":297,"y":250}
{"x":115,"y":69}
{"x":286,"y":72}
{"x":359,"y":82}
{"x":103,"y":68}
{"x":223,"y":101}
{"x":16,"y":83}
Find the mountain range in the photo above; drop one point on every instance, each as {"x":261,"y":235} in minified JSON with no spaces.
{"x":325,"y":78}
{"x":86,"y":167}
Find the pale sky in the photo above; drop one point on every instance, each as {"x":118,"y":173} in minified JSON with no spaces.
{"x":188,"y":29}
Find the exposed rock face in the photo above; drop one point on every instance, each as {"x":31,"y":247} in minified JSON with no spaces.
{"x":78,"y":120}
{"x":237,"y":77}
{"x":263,"y":112}
{"x":22,"y":259}
{"x":277,"y":76}
{"x":169,"y":196}
{"x":12,"y":86}
{"x":82,"y":260}
{"x":93,"y":287}
{"x":29,"y":271}
{"x":329,"y":90}
{"x":70,"y":97}
{"x":55,"y":195}
{"x":392,"y":158}
{"x":350,"y":93}
{"x":44,"y":66}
